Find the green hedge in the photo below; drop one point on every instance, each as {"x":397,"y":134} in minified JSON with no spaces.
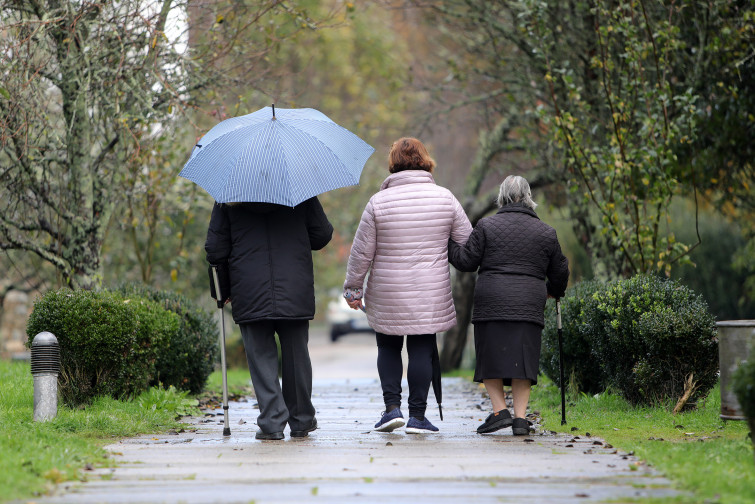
{"x":108,"y":344}
{"x":579,"y":364}
{"x":649,"y":335}
{"x":645,"y":336}
{"x":118,"y":343}
{"x":191,"y":352}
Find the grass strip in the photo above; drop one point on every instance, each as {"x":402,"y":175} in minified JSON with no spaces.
{"x":699,"y":452}
{"x":36,"y":456}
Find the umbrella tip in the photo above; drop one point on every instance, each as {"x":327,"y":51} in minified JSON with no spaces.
{"x":273,"y":111}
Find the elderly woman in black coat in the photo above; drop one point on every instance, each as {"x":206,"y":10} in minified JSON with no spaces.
{"x":520,"y":265}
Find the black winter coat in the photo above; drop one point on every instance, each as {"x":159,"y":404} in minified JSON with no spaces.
{"x":269,"y":253}
{"x":515,"y":252}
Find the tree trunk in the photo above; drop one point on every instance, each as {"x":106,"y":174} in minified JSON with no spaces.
{"x":456,"y":338}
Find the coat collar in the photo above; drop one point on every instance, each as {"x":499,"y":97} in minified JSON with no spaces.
{"x":407,"y":177}
{"x":518,"y":207}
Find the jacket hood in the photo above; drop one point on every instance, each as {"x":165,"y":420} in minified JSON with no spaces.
{"x":407,"y":177}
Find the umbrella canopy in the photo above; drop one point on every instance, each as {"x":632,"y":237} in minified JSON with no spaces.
{"x":282,"y":156}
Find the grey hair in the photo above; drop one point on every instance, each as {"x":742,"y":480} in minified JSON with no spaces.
{"x":515,"y":189}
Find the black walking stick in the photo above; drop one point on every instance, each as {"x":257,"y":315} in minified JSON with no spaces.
{"x":221,"y":302}
{"x":561,"y":361}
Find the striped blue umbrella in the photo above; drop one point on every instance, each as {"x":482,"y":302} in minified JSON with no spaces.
{"x":282,"y":156}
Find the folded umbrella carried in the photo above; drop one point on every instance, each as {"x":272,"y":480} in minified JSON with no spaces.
{"x":436,"y":380}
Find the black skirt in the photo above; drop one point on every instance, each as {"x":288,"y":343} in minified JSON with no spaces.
{"x":507,"y":350}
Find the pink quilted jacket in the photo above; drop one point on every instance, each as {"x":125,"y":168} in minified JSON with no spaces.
{"x":402,"y":241}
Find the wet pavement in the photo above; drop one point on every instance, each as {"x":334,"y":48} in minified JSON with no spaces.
{"x":345,"y":461}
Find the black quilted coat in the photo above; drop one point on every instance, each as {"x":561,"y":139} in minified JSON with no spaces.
{"x":269,"y":253}
{"x":515,"y":253}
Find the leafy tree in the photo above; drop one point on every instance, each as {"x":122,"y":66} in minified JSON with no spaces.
{"x":720,"y":68}
{"x":603,"y":98}
{"x":86,"y":88}
{"x":620,"y":140}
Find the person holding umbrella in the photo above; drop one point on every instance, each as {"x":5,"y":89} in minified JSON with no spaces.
{"x":268,"y":251}
{"x":520,"y":265}
{"x":265,"y":172}
{"x":401,"y":242}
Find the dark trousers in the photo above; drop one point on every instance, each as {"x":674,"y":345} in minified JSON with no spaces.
{"x":419,"y":374}
{"x":293,"y":403}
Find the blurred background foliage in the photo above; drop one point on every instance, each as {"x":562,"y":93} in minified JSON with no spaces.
{"x":632,"y":120}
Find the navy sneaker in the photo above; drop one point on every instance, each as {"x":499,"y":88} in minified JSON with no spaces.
{"x":390,"y":421}
{"x":415,"y":426}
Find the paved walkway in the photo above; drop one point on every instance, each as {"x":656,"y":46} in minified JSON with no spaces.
{"x":344,"y":461}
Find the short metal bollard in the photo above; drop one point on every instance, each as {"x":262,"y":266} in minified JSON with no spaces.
{"x":45,"y":367}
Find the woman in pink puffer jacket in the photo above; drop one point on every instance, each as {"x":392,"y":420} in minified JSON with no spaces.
{"x":402,"y":242}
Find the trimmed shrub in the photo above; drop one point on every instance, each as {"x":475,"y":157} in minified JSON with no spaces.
{"x":190,"y":354}
{"x":651,"y":335}
{"x":108,"y":343}
{"x":579,"y":363}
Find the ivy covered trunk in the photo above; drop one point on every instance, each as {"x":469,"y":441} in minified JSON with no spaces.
{"x":88,"y":199}
{"x":74,"y":107}
{"x":61,"y":179}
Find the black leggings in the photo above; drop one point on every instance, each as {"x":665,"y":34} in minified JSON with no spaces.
{"x":420,"y":348}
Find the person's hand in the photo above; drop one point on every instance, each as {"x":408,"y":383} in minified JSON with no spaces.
{"x":227,"y":300}
{"x":356,"y":304}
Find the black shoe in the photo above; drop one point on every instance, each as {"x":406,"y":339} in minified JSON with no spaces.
{"x":269,"y":436}
{"x":495,"y":421}
{"x":521,"y":427}
{"x":305,"y":432}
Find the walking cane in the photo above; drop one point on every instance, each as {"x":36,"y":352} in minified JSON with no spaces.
{"x":561,"y":361}
{"x":221,"y":302}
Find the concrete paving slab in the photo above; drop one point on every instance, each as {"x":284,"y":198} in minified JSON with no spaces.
{"x":345,"y":461}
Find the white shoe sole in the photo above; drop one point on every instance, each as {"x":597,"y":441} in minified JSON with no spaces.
{"x":414,"y":430}
{"x":391,"y":425}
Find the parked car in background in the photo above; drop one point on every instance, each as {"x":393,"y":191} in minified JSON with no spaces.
{"x":344,"y":320}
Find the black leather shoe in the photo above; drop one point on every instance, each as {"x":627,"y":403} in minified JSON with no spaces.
{"x":521,"y":427}
{"x":305,"y":432}
{"x":269,"y":436}
{"x":495,"y":421}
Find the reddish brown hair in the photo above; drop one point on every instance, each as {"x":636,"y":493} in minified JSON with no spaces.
{"x":409,"y":154}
